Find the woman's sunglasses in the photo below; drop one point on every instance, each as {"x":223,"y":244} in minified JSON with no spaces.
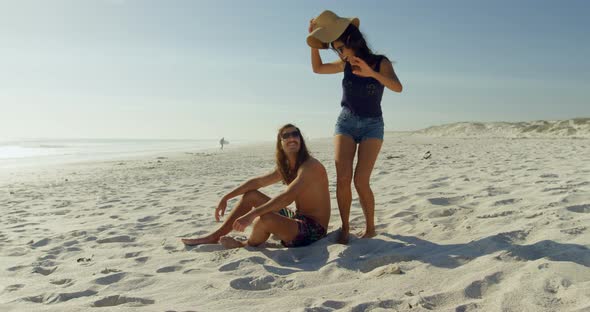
{"x":293,"y":134}
{"x":339,"y":50}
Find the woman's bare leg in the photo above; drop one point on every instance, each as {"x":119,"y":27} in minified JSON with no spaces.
{"x":367,"y":156}
{"x":345,"y":148}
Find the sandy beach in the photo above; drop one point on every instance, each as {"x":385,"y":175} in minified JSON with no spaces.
{"x":483,"y":224}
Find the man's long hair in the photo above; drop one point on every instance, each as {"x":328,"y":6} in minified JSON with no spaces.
{"x":282,"y":161}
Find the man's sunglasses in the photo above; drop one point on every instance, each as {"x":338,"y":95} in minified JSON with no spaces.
{"x":293,"y":134}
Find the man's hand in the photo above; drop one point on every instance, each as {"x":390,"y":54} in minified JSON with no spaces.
{"x":220,"y":210}
{"x":242,"y":222}
{"x":364,"y":70}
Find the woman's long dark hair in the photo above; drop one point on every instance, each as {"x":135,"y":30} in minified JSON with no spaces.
{"x":282,"y":161}
{"x":354,"y":39}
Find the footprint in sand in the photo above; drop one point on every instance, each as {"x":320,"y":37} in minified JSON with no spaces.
{"x":477,"y":289}
{"x":387,"y":270}
{"x":232,"y":266}
{"x":333,"y":305}
{"x":549,"y":176}
{"x":383,"y":260}
{"x":107,"y":271}
{"x":90,"y":238}
{"x":64,"y":281}
{"x":117,"y":239}
{"x":445,"y":201}
{"x":62,"y":204}
{"x":253,"y":283}
{"x":17,"y":252}
{"x":378,"y":305}
{"x":168,"y":269}
{"x":579,"y":208}
{"x":16,"y":268}
{"x":148,"y":219}
{"x":574,"y":231}
{"x":442,"y":213}
{"x":506,"y":202}
{"x":70,"y":243}
{"x":187,"y":261}
{"x":110,"y":279}
{"x":470,"y":307}
{"x":404,"y":213}
{"x":61,"y":212}
{"x":496,"y":215}
{"x":116,"y":300}
{"x":15,"y":287}
{"x":553,"y":285}
{"x":60,"y":297}
{"x":44,"y":271}
{"x":141,"y":259}
{"x":41,"y":243}
{"x":132,"y":254}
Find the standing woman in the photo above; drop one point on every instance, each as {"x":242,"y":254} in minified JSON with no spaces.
{"x":360,"y":124}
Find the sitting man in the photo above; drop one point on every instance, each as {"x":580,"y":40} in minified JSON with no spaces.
{"x":307,"y":186}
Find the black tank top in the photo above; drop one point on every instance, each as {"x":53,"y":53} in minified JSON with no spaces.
{"x":362,"y":95}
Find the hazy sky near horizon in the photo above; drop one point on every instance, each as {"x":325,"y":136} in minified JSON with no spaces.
{"x":240,"y":69}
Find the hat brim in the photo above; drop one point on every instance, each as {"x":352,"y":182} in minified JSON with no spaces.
{"x":321,"y":37}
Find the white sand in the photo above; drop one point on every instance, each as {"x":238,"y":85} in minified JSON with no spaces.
{"x":483,"y":225}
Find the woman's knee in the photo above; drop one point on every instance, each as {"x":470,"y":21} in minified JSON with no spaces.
{"x":361,"y":183}
{"x":343,"y":180}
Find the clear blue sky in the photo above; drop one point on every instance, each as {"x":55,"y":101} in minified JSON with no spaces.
{"x":240,"y":69}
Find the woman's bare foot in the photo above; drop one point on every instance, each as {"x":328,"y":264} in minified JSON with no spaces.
{"x":343,"y":236}
{"x":200,"y":241}
{"x":367,"y":234}
{"x":230,"y":242}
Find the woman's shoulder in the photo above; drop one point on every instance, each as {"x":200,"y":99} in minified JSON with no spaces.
{"x":383,"y":61}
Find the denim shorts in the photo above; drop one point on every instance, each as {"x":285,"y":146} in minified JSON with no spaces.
{"x":359,"y":128}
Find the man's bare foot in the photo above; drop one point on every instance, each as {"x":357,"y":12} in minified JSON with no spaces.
{"x":230,"y":242}
{"x":343,"y":236}
{"x":200,"y":241}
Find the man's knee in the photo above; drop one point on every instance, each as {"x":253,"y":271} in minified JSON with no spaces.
{"x":264,"y":220}
{"x":250,"y":196}
{"x":261,"y":224}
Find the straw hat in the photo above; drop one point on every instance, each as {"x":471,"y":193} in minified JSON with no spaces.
{"x":328,"y":27}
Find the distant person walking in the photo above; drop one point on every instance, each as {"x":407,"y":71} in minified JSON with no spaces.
{"x":221,"y":142}
{"x":360,"y":124}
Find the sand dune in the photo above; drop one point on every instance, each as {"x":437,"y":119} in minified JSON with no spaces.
{"x":481,"y":225}
{"x":572,"y":128}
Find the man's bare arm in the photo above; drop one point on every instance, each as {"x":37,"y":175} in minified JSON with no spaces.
{"x":250,"y":185}
{"x":255,"y":183}
{"x":290,"y":194}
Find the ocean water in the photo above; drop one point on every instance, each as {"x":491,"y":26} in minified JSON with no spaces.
{"x":17,"y":153}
